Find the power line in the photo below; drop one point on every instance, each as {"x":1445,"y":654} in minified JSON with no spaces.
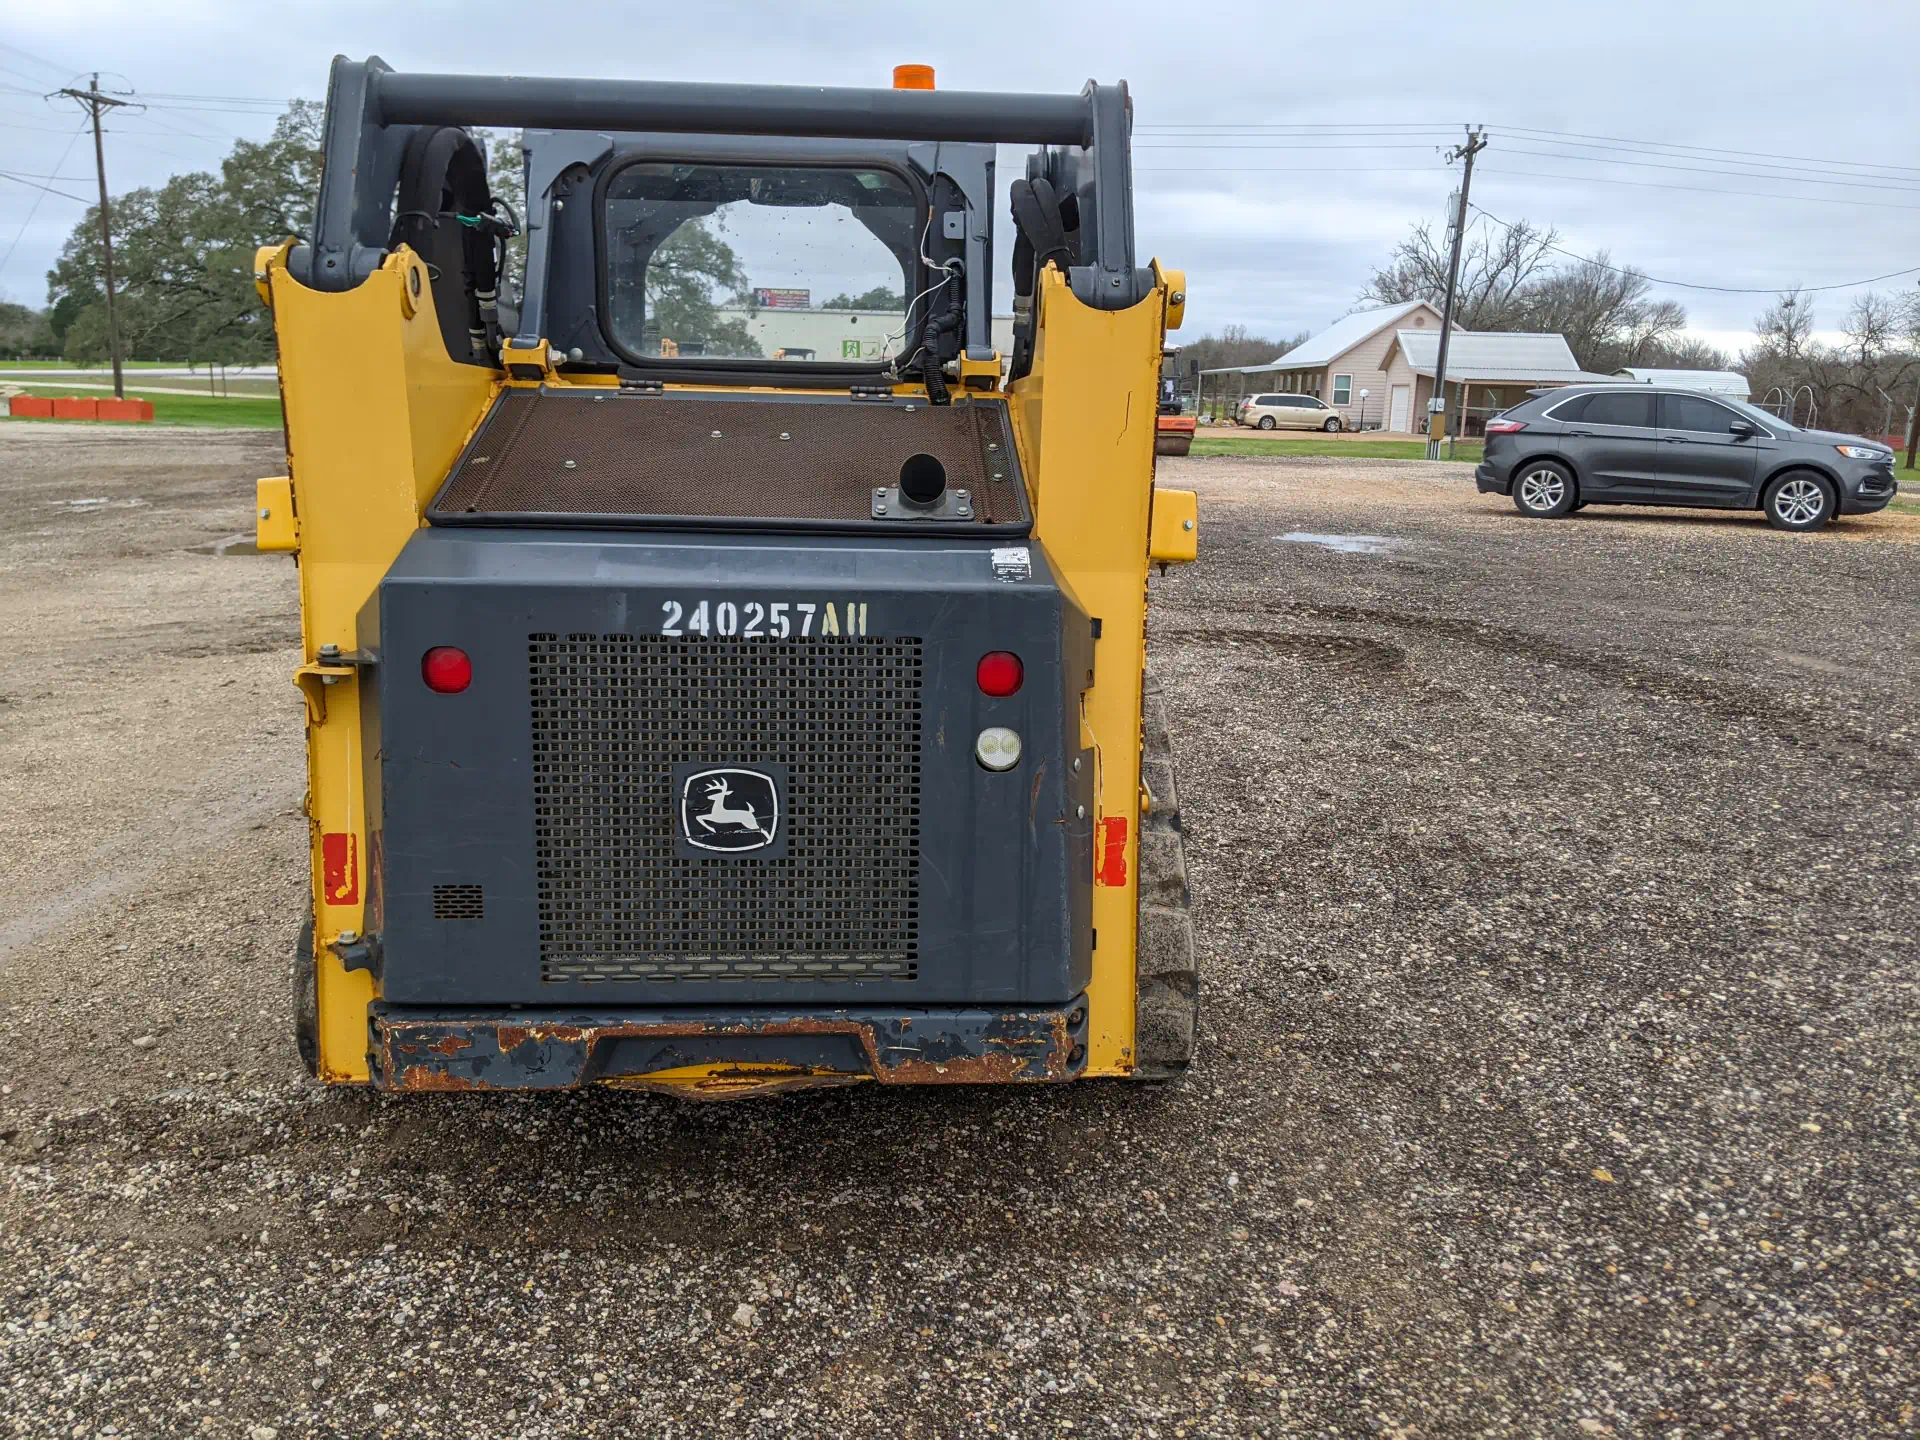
{"x":1896,"y":183}
{"x":7,"y":259}
{"x":44,"y":129}
{"x":1711,"y":149}
{"x":1256,"y":129}
{"x":22,"y":180}
{"x":1285,"y":169}
{"x":1690,"y":285}
{"x":1905,"y":186}
{"x":1705,"y":190}
{"x":61,"y":70}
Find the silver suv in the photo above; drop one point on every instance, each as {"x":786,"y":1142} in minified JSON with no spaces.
{"x":1638,"y":445}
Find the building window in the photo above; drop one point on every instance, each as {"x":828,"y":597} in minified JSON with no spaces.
{"x":1343,"y":389}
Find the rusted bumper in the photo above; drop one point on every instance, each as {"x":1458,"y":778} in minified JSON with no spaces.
{"x":717,"y":1054}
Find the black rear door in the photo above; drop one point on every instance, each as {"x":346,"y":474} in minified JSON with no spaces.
{"x":1609,"y":440}
{"x":1702,"y":460}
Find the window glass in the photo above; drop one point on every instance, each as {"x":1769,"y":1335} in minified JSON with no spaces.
{"x":1624,"y":407}
{"x":1691,"y":412}
{"x":1342,"y":389}
{"x":1569,"y":411}
{"x":736,"y":261}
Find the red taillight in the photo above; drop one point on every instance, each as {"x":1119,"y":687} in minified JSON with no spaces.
{"x":999,"y":673}
{"x":446,"y":669}
{"x":1505,"y":427}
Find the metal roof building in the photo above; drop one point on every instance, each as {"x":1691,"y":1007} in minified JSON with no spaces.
{"x":1487,"y":370}
{"x":1714,"y":382}
{"x":1494,"y":357}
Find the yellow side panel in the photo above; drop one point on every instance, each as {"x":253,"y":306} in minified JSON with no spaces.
{"x":1176,"y":527}
{"x":376,"y":414}
{"x":1095,"y":381}
{"x":274,"y":529}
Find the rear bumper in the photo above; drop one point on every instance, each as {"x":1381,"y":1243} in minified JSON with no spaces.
{"x":721,"y":1054}
{"x":1488,"y":480}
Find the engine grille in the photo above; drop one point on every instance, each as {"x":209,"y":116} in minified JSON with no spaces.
{"x":614,"y":714}
{"x":593,"y":458}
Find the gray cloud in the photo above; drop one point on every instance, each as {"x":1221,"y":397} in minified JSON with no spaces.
{"x":1279,"y":239}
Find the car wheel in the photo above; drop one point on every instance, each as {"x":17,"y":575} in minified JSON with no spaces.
{"x":1332,"y":427}
{"x":1544,"y":490}
{"x":1798,"y":500}
{"x":1267,"y":422}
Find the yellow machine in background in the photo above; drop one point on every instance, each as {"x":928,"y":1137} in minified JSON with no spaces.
{"x":683,"y":723}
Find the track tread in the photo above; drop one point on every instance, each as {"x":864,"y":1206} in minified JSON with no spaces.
{"x":1166,"y":981}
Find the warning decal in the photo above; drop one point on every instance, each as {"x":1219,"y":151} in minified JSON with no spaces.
{"x":1111,"y":868}
{"x":339,"y":867}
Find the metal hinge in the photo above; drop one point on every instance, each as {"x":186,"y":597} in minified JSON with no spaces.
{"x":871,"y":392}
{"x":643,"y":387}
{"x":358,"y":952}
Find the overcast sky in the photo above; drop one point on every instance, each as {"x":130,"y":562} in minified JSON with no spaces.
{"x":1270,"y":197}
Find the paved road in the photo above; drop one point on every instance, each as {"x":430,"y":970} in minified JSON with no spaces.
{"x":1555,"y":886}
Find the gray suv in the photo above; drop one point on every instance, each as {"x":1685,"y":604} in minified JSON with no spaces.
{"x":1637,"y":445}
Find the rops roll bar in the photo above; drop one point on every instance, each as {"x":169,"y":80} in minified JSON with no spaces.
{"x":372,"y":111}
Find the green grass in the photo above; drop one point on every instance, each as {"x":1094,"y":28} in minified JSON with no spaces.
{"x":237,"y":412}
{"x":101,"y":366}
{"x":1205,"y":444}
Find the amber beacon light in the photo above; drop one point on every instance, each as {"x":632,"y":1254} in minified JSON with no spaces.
{"x":913,"y":77}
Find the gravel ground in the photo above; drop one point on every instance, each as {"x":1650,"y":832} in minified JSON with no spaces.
{"x":1555,"y":890}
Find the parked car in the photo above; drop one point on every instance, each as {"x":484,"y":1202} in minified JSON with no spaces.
{"x":1584,"y":445}
{"x":1289,"y":412}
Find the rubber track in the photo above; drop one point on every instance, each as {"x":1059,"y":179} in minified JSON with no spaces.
{"x":1168,"y":1003}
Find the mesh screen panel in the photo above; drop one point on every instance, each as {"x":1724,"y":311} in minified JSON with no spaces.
{"x":612,"y":716}
{"x":625,"y":454}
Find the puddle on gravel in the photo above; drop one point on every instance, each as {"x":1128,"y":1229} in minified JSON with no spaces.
{"x":231,"y":545}
{"x":87,"y":504}
{"x":1345,"y":544}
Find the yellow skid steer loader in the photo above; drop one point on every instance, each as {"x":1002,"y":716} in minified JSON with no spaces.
{"x":692,"y":703}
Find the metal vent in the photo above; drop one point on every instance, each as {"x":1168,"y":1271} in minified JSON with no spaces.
{"x":614,"y":714}
{"x":458,"y":902}
{"x":553,"y":458}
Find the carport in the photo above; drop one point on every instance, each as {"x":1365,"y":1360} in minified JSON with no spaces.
{"x":1487,"y":371}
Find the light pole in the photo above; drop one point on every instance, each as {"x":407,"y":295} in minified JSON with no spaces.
{"x":1363,"y":410}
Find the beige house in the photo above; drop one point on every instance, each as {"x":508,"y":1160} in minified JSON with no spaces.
{"x":1338,"y":363}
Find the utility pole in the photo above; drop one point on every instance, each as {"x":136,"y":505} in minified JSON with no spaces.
{"x":1437,"y":406}
{"x":97,"y":102}
{"x":1913,"y":426}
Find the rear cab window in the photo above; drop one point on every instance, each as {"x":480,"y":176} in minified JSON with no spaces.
{"x":693,"y":252}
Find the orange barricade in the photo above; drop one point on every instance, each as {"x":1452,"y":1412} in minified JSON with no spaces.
{"x":125,"y":409}
{"x":73,"y":407}
{"x":33,"y":407}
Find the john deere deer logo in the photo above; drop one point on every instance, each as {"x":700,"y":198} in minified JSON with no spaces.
{"x":729,"y":811}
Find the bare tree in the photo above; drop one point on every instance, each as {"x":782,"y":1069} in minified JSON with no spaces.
{"x":1864,"y":384}
{"x":1786,"y":326}
{"x":1234,"y":346}
{"x":1497,"y":266}
{"x":1509,"y":281}
{"x":1603,"y":311}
